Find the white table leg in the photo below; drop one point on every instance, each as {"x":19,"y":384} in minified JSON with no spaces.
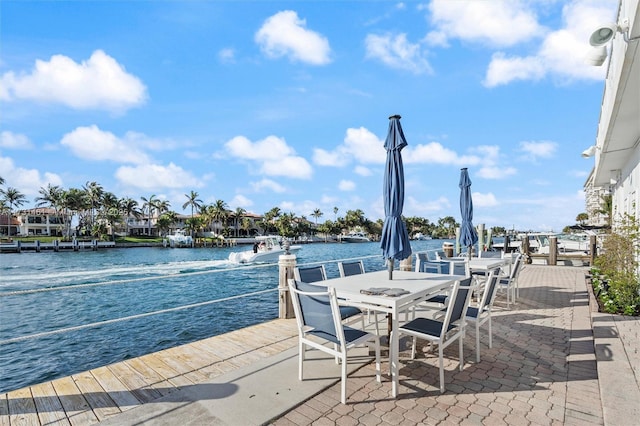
{"x":394,"y":348}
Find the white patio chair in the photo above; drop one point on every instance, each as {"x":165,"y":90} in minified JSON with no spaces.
{"x":320,"y":327}
{"x":509,"y":282}
{"x":348,"y":269}
{"x":482,"y":313}
{"x":446,"y":331}
{"x":317,"y":274}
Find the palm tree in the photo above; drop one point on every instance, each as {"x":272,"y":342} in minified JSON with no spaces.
{"x":335,"y":213}
{"x":73,"y":202}
{"x":129,"y":208}
{"x":220,"y":212}
{"x":193,"y":201}
{"x":51,"y":196}
{"x":94,"y":192}
{"x":237,"y":215}
{"x":149,"y":205}
{"x":13,"y":198}
{"x":317,"y":213}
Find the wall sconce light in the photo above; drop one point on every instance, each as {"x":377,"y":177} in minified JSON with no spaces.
{"x":603,"y":35}
{"x":589,"y":152}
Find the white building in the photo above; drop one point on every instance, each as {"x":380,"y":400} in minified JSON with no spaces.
{"x":617,"y":147}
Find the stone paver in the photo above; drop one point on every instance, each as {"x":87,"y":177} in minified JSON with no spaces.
{"x":542,"y":369}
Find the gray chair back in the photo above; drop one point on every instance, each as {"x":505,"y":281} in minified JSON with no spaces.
{"x":460,"y":302}
{"x":311,"y":274}
{"x":348,"y":269}
{"x":315,"y":309}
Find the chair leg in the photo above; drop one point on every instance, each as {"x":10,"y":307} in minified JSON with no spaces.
{"x":477,"y":341}
{"x":301,"y":347}
{"x":441,"y":365}
{"x":413,"y":347}
{"x":375,"y":317}
{"x":378,"y":365}
{"x":490,"y":333}
{"x":343,"y":385}
{"x":461,"y":352}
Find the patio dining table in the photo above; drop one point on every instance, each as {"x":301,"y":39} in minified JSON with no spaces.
{"x":367,"y":291}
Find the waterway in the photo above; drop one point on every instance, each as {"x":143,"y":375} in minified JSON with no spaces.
{"x":101,"y":287}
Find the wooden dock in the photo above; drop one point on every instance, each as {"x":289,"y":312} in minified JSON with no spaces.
{"x":92,"y":396}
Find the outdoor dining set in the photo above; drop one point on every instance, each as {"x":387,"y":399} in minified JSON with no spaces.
{"x":437,"y":302}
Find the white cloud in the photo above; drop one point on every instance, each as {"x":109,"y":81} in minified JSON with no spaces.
{"x":91,"y":143}
{"x":346,"y":185}
{"x":360,"y":145}
{"x":496,"y":172}
{"x":496,"y":23}
{"x":292,"y":167}
{"x":227,"y":56}
{"x":12,"y":140}
{"x":273,"y":155}
{"x":364,"y":146}
{"x":284,"y":34}
{"x":269,"y":185}
{"x":98,"y":83}
{"x":414,"y":207}
{"x":503,"y":70}
{"x":240,"y":201}
{"x":335,"y":158}
{"x":155,"y":176}
{"x":362,"y":171}
{"x":434,"y":152}
{"x":562,"y":52}
{"x":396,"y":52}
{"x":484,"y":200}
{"x":27,"y":181}
{"x":535,"y":150}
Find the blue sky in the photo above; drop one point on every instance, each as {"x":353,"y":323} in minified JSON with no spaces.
{"x":268,"y":104}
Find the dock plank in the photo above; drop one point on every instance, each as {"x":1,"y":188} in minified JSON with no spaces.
{"x":48,"y":405}
{"x":99,"y":400}
{"x":176,"y":379}
{"x":174,"y":359}
{"x":4,"y":410}
{"x":154,"y":380}
{"x":135,"y":382}
{"x":74,"y":403}
{"x":22,"y":408}
{"x":117,"y":391}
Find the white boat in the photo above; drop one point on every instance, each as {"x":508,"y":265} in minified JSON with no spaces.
{"x":539,"y":242}
{"x":421,"y":237}
{"x":355,"y":237}
{"x":179,"y":239}
{"x":266,"y":249}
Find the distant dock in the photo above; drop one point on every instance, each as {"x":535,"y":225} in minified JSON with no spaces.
{"x":56,"y":245}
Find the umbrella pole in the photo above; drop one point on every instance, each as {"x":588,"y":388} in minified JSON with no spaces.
{"x":390,"y":267}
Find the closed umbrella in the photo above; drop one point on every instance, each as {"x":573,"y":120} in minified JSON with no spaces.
{"x":394,"y":241}
{"x":468,"y":234}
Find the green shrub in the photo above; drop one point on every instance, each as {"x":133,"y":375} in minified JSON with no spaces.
{"x":616,"y":281}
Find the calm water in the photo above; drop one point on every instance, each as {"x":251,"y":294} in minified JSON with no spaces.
{"x":179,"y":277}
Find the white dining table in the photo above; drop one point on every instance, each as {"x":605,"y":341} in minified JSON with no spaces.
{"x":419,"y":285}
{"x":486,"y":263}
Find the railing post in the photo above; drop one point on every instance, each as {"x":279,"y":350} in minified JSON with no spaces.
{"x":553,"y":251}
{"x":286,"y":264}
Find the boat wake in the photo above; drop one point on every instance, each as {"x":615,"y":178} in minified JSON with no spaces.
{"x":48,"y":278}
